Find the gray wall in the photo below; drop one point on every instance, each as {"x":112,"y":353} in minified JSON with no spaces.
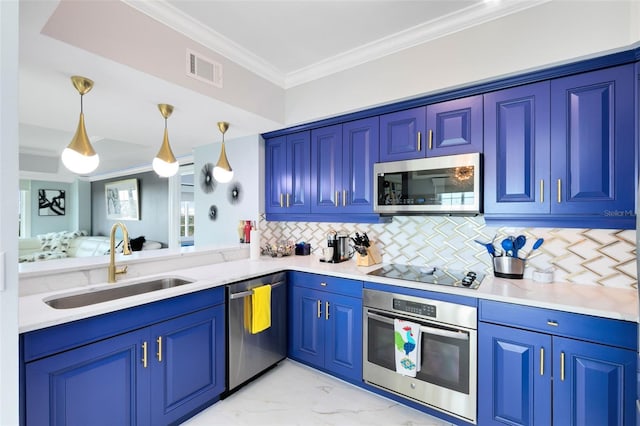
{"x":153,"y":193}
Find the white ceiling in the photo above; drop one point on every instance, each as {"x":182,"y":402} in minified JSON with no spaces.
{"x":286,"y":42}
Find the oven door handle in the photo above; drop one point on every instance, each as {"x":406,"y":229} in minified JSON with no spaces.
{"x":242,"y":294}
{"x":460,"y":335}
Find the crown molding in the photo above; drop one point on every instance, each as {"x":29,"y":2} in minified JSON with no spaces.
{"x":476,"y":14}
{"x":174,"y":18}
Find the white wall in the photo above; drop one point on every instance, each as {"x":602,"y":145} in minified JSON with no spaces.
{"x":553,"y":33}
{"x":246,"y":156}
{"x":9,"y":212}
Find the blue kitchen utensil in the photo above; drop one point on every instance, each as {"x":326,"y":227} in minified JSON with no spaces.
{"x":507,"y":245}
{"x":519,"y":242}
{"x":536,"y":246}
{"x":489,"y":246}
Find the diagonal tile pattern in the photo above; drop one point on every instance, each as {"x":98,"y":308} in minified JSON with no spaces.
{"x":604,"y":257}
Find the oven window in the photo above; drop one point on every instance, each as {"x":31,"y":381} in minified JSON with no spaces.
{"x":444,"y":360}
{"x":380,"y":345}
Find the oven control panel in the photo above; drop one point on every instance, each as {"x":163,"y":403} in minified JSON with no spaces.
{"x":415,"y":308}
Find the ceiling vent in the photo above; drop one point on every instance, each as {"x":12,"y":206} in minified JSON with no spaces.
{"x":204,"y":69}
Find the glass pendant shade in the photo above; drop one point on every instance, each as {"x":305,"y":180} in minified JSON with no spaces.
{"x":165,"y":163}
{"x":223,"y":172}
{"x":79,"y":156}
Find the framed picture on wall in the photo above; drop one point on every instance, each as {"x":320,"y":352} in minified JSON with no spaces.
{"x":122,"y":200}
{"x":51,"y":202}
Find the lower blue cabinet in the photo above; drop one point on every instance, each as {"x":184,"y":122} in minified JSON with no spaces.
{"x":325,"y":328}
{"x":151,"y":376}
{"x":529,"y":377}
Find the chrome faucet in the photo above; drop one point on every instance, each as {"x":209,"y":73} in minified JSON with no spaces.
{"x":113,"y":271}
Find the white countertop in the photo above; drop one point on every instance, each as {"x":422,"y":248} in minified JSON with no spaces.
{"x":607,"y":302}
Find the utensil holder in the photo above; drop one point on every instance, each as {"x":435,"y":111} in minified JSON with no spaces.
{"x":508,"y":267}
{"x":372,"y":257}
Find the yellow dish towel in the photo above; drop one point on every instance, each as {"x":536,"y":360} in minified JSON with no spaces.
{"x":261,"y":309}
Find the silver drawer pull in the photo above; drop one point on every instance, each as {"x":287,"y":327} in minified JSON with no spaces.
{"x":247,"y":293}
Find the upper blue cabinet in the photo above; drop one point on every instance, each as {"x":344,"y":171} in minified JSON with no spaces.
{"x":342,"y":158}
{"x":445,"y":128}
{"x":562,"y":153}
{"x":592,"y":143}
{"x":287,"y":164}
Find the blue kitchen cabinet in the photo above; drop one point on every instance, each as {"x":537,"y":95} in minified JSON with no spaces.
{"x":592,"y":143}
{"x":593,"y":384}
{"x":514,"y":376}
{"x":542,"y":367}
{"x":187,"y":364}
{"x":455,"y":127}
{"x":517,"y":150}
{"x":94,"y":384}
{"x":559,"y":152}
{"x":152,"y":375}
{"x":325,"y":325}
{"x":342,"y":158}
{"x":444,"y":128}
{"x":401,"y":134}
{"x":288,"y":184}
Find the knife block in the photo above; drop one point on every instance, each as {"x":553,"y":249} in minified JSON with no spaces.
{"x":372,"y":257}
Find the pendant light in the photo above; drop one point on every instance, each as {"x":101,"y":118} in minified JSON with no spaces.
{"x":222,"y":172}
{"x":165,"y":163}
{"x":79,"y":156}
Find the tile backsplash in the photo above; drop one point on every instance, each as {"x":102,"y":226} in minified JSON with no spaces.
{"x":584,"y":256}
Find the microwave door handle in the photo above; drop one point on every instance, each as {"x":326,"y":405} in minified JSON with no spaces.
{"x":424,"y":329}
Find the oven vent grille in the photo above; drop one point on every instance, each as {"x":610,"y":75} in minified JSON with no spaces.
{"x":204,"y":69}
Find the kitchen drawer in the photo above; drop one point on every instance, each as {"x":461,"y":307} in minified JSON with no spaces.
{"x":336,"y":285}
{"x":585,"y":327}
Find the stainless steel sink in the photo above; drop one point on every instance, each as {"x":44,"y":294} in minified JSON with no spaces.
{"x":97,"y":296}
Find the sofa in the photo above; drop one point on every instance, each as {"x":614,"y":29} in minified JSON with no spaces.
{"x":60,"y":245}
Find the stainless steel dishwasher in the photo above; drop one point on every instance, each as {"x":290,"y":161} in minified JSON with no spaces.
{"x":250,"y":354}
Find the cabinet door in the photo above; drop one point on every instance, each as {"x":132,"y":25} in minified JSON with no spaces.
{"x":276,"y":167}
{"x":401,"y":135}
{"x":297,"y":198}
{"x":516,"y":147}
{"x":514,"y":376}
{"x":360,"y":151}
{"x":288,"y":175}
{"x":188,"y":360}
{"x":326,"y":169}
{"x":97,"y":384}
{"x":454,"y":127}
{"x":592,"y":140}
{"x":306,"y":327}
{"x":593,"y":384}
{"x":343,"y":354}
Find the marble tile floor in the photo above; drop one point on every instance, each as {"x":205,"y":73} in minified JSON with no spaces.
{"x":294,"y":394}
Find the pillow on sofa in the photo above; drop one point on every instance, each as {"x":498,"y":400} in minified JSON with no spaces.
{"x":136,"y":243}
{"x":42,"y":255}
{"x":59,"y":242}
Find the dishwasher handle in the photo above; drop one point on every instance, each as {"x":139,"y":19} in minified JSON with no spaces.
{"x":242,"y":294}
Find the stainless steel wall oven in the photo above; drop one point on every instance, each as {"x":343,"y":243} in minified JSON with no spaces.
{"x":447,"y":380}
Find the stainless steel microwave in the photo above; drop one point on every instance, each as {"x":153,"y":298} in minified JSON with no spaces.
{"x":438,"y":185}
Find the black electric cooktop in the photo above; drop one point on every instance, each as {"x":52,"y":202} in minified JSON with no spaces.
{"x":431,"y":275}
